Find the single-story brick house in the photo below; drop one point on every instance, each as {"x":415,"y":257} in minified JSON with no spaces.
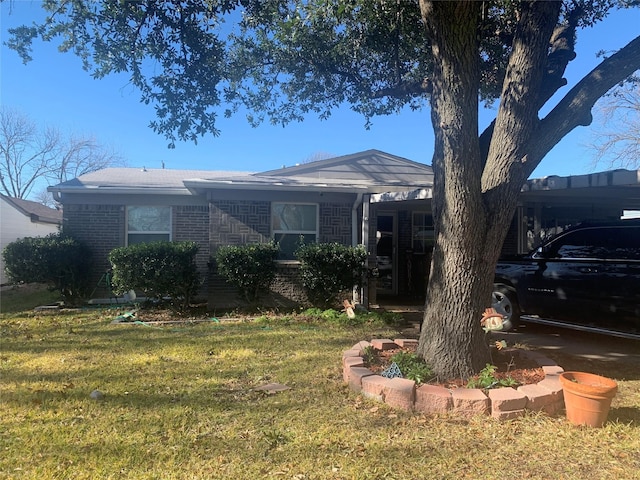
{"x":323,"y":201}
{"x":372,"y":198}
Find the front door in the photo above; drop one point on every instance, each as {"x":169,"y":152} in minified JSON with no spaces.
{"x":386,"y":239}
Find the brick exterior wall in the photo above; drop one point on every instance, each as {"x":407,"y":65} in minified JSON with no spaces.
{"x":335,"y":223}
{"x":239,"y":222}
{"x":288,"y":284}
{"x":222,"y":222}
{"x":102,"y":228}
{"x":191,"y":223}
{"x":234,"y":222}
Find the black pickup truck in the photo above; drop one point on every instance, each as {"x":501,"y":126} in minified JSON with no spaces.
{"x":587,"y":277}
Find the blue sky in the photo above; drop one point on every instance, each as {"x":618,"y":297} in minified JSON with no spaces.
{"x":54,"y":90}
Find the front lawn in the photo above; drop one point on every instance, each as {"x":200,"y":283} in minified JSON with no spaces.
{"x":180,"y":403}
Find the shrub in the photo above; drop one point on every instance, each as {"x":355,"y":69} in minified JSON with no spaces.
{"x":57,"y":260}
{"x":158,"y":269}
{"x":250,"y":268}
{"x":328,"y":269}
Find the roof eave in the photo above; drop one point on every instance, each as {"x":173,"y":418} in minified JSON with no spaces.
{"x":121,"y":190}
{"x":40,"y":219}
{"x":201,"y":186}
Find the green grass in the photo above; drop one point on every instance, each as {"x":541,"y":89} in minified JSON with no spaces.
{"x":180,"y":404}
{"x":25,"y":297}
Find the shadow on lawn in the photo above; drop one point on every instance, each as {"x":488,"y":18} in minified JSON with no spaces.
{"x":627,"y":415}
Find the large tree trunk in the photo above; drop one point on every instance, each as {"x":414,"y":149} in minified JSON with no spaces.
{"x":475,"y":193}
{"x":450,"y":340}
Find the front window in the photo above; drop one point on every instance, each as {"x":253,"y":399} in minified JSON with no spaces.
{"x":147,"y":224}
{"x":293,"y":225}
{"x":422,"y":232}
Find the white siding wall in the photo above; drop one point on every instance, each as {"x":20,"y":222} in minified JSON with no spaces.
{"x":15,"y":225}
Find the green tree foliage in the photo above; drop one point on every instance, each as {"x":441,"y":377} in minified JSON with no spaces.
{"x":250,"y":268}
{"x":57,"y":260}
{"x":281,"y":60}
{"x":330,"y":269}
{"x":158,"y":269}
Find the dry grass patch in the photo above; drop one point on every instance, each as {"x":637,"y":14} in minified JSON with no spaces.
{"x":180,"y":403}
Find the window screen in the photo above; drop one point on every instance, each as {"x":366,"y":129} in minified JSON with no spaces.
{"x":293,"y":224}
{"x":148,"y":224}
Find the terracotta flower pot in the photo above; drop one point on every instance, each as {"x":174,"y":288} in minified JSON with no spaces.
{"x":587,"y":397}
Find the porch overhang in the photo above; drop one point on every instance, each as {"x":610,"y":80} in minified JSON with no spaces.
{"x":200,"y":186}
{"x":615,"y":187}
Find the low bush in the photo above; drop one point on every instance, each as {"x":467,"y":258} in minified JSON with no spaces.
{"x":158,"y":269}
{"x":250,"y":268}
{"x":60,"y":261}
{"x":329,"y":269}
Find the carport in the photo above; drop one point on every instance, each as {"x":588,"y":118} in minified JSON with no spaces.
{"x":549,"y":205}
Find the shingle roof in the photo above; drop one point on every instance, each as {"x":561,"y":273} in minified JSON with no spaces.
{"x":142,"y":177}
{"x":35,"y":210}
{"x":369,"y":171}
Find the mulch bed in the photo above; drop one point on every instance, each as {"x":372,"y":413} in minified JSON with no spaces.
{"x":509,"y":363}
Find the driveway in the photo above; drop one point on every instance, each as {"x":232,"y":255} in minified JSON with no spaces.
{"x":589,"y":346}
{"x":571,"y":348}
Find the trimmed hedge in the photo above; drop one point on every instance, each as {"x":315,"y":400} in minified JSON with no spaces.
{"x":57,"y":260}
{"x":329,"y":269}
{"x":158,"y":269}
{"x":250,"y":268}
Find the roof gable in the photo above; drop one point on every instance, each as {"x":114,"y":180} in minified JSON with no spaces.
{"x":34,"y":210}
{"x":371,"y":165}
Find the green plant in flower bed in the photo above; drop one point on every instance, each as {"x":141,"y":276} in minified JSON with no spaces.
{"x":370,"y":355}
{"x":413,"y":367}
{"x":487,"y":379}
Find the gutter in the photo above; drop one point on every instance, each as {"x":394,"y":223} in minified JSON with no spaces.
{"x":119,"y":190}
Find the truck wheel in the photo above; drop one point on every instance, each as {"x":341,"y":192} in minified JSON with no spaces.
{"x":505,"y":302}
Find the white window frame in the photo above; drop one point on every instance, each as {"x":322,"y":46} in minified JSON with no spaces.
{"x":280,"y":231}
{"x":148,"y":232}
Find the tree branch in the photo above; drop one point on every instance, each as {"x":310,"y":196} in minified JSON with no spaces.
{"x":575,"y":108}
{"x":562,"y":52}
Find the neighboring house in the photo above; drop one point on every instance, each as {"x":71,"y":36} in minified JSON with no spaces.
{"x":23,"y":218}
{"x":371,"y":198}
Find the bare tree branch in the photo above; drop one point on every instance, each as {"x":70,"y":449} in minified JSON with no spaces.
{"x":616,"y":140}
{"x":30,"y":156}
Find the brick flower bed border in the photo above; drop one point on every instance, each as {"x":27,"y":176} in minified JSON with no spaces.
{"x":501,"y":403}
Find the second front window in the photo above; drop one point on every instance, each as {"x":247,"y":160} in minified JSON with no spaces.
{"x":293,"y":225}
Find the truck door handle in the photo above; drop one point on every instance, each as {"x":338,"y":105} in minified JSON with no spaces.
{"x":588,"y":270}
